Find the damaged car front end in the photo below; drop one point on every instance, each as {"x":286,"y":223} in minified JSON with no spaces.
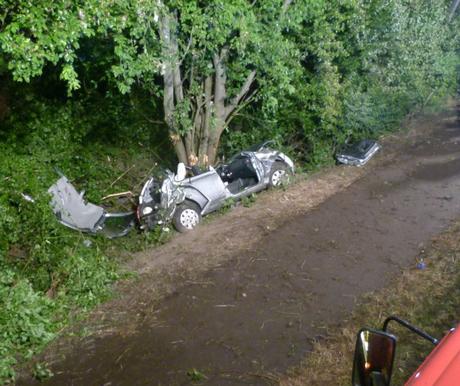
{"x":158,"y":199}
{"x":185,"y":200}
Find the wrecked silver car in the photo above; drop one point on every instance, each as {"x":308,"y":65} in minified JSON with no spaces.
{"x":358,"y":154}
{"x":184,"y":200}
{"x":177,"y":198}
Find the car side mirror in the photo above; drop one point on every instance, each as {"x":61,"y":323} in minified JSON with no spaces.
{"x":374,"y":356}
{"x":181,"y":172}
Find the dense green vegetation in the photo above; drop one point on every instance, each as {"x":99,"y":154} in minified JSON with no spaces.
{"x":95,"y":87}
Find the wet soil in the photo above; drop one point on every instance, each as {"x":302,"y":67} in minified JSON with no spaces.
{"x":257,"y":307}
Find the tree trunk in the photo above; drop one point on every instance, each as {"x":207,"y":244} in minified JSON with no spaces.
{"x":170,"y":85}
{"x":214,"y":139}
{"x":203,"y":157}
{"x":210,"y":116}
{"x":453,"y":8}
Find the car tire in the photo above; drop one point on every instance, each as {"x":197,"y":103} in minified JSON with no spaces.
{"x":279,"y":174}
{"x":187,"y":216}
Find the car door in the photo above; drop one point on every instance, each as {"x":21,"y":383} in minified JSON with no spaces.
{"x":258,"y":166}
{"x":208,"y":190}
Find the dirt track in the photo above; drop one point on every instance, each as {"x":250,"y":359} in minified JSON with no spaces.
{"x":244,"y":296}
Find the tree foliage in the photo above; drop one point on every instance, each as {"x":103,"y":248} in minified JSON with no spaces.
{"x":210,"y":58}
{"x":207,"y":60}
{"x":366,"y":64}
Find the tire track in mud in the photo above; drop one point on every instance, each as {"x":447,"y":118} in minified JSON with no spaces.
{"x":257,"y":313}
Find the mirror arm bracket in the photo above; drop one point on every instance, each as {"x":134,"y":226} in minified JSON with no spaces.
{"x":409,"y":326}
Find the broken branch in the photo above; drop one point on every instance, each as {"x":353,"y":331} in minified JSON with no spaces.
{"x":128,"y":193}
{"x":121,"y":176}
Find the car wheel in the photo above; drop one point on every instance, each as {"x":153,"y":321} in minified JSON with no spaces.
{"x":187,"y":216}
{"x":279,"y":174}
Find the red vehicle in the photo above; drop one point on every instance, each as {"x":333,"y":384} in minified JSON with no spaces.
{"x":375,"y":352}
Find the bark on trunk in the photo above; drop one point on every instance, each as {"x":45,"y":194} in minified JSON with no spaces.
{"x":171,"y":87}
{"x":203,"y":157}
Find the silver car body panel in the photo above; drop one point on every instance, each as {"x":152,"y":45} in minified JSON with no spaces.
{"x":145,"y":196}
{"x":258,"y":166}
{"x":207,"y":190}
{"x":359,"y":156}
{"x":210,"y":192}
{"x":74,"y":212}
{"x":71,"y":208}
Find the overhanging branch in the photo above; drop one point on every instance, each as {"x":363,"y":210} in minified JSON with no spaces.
{"x":243,"y":91}
{"x":241,"y":106}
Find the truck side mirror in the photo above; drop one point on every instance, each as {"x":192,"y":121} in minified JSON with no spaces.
{"x":374,"y":356}
{"x":181,"y":172}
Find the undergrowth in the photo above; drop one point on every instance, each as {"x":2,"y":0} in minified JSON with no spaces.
{"x":49,"y":272}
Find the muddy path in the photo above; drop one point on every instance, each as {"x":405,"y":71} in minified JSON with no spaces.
{"x":255,"y":310}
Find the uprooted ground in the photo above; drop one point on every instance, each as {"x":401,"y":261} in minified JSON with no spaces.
{"x":246,"y":295}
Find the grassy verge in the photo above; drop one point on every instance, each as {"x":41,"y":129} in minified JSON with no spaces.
{"x":428,"y":298}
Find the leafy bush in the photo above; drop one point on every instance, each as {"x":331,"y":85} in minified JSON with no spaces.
{"x":44,"y":267}
{"x":27,"y":319}
{"x":366,"y":65}
{"x":47,"y":270}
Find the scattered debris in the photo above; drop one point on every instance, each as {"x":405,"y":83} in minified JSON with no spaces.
{"x":27,"y":198}
{"x":128,"y":193}
{"x":87,"y":243}
{"x":121,"y":176}
{"x":358,"y":154}
{"x":421,"y":263}
{"x":72,"y":211}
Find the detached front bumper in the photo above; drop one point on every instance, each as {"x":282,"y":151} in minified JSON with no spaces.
{"x":74,"y":212}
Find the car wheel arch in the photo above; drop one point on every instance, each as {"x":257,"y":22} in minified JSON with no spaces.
{"x":194,"y":195}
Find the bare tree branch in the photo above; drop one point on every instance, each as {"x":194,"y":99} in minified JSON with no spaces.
{"x":286,"y":5}
{"x":187,"y":49}
{"x":241,"y":106}
{"x":453,"y":8}
{"x":243,"y":91}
